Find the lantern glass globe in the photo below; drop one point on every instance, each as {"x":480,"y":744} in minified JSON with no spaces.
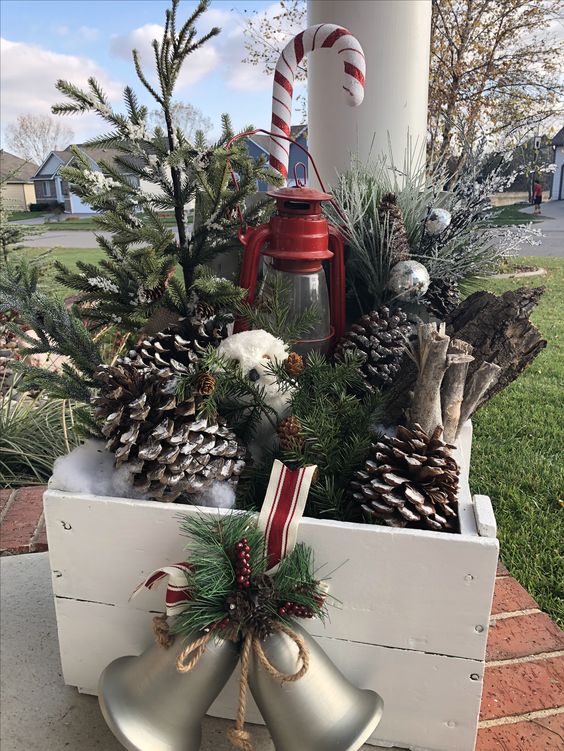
{"x":303,"y":292}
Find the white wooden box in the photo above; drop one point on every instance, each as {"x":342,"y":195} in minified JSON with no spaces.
{"x":412,"y":621}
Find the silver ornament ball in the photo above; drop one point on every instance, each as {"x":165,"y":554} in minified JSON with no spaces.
{"x":409,"y":280}
{"x":437,"y":221}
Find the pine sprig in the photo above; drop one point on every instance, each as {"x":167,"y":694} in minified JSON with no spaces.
{"x":274,"y":313}
{"x":212,"y":577}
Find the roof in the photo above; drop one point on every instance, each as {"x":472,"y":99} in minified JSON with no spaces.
{"x":15,"y":170}
{"x":97,"y":155}
{"x":558,"y":139}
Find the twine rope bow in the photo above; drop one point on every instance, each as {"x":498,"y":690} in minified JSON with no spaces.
{"x":193,"y":652}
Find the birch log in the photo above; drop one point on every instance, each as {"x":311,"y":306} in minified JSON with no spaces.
{"x":480,"y":382}
{"x":430,"y":356}
{"x":452,"y":391}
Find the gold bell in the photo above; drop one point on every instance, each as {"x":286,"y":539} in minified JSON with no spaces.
{"x":150,"y":706}
{"x":321,"y":711}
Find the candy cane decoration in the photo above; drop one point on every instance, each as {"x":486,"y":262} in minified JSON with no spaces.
{"x":321,"y":36}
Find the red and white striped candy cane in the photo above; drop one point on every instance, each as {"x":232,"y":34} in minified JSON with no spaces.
{"x":321,"y":36}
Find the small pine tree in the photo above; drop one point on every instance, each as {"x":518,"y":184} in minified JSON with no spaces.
{"x":144,"y":252}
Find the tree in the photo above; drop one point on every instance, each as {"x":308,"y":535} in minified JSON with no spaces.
{"x":143,"y":254}
{"x":494,"y":66}
{"x":494,"y":69}
{"x":33,"y":136}
{"x":186,"y":116}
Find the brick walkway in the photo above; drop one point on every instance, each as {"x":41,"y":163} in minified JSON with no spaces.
{"x":523,"y":699}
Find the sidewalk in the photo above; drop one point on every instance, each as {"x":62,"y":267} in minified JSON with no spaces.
{"x":552,"y":227}
{"x":522,"y":703}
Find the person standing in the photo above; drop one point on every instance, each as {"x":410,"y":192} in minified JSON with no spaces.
{"x":537,"y":197}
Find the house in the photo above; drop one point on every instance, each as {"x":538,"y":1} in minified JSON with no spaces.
{"x":259,"y":145}
{"x":16,"y":175}
{"x":557,"y":190}
{"x":50,"y":187}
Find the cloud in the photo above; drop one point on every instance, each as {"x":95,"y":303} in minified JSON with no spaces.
{"x":29,"y":74}
{"x":88,"y":33}
{"x":201,"y":62}
{"x":225,"y":51}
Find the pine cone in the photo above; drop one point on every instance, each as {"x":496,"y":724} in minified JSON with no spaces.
{"x":381,"y":336}
{"x":391,"y":222}
{"x":442,"y":297}
{"x":8,"y":351}
{"x":178,"y":347}
{"x":248,"y":609}
{"x":205,"y":384}
{"x":411,"y":480}
{"x":166,"y":446}
{"x":294,"y":364}
{"x":289,"y":434}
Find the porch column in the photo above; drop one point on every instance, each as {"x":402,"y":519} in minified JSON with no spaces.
{"x":395,"y":36}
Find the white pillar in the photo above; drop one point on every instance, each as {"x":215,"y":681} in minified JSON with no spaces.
{"x":395,"y":36}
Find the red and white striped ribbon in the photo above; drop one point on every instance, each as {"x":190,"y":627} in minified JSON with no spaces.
{"x":283,"y":509}
{"x":321,"y":36}
{"x":177,"y":592}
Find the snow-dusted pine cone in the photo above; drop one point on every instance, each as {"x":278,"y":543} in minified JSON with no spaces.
{"x":168,"y":449}
{"x":410,"y":480}
{"x":294,"y":364}
{"x":381,"y":336}
{"x":178,"y":347}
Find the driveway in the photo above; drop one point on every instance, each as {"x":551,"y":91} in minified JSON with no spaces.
{"x":64,"y":239}
{"x":552,"y":227}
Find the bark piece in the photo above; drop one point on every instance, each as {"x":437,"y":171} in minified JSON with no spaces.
{"x":430,"y":356}
{"x":499,"y":330}
{"x":452,"y":390}
{"x":476,"y":386}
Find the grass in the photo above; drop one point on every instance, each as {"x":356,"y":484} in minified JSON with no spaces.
{"x":517,"y":455}
{"x":33,"y":433}
{"x":87,"y":224}
{"x":16,"y":216}
{"x":68,"y":256}
{"x":512,"y":214}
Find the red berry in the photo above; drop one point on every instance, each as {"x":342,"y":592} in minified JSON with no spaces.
{"x":240,"y":579}
{"x":281,"y":611}
{"x":248,"y":583}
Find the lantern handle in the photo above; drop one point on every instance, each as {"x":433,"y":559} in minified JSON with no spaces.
{"x":253,"y":132}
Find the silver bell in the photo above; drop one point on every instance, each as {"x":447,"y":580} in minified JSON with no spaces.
{"x":150,"y":706}
{"x":321,"y":711}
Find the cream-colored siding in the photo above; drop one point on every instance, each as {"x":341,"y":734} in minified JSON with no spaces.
{"x":18,"y":196}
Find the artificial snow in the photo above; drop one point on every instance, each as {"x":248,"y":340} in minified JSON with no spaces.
{"x":89,"y":468}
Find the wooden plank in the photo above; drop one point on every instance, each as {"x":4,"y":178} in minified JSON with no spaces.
{"x":430,"y":701}
{"x":485,"y":517}
{"x":409,"y":589}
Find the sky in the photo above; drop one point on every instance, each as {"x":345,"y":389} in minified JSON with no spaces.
{"x":44,"y":40}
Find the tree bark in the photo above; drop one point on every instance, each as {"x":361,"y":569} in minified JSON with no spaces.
{"x":452,"y":391}
{"x":476,"y":387}
{"x":499,"y":330}
{"x":430,"y":356}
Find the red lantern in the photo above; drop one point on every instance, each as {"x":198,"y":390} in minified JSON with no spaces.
{"x":294,"y":244}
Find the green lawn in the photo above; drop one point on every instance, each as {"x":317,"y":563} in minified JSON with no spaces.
{"x":69,"y":256}
{"x":86,"y":224}
{"x":15,"y":216}
{"x":512,"y":214}
{"x":517,"y":455}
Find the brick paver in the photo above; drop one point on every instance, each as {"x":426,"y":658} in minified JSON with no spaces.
{"x":21,"y":521}
{"x":523,"y":635}
{"x":539,"y":734}
{"x":510,"y":596}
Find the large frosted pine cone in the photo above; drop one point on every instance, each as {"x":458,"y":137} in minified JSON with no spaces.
{"x":168,"y":448}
